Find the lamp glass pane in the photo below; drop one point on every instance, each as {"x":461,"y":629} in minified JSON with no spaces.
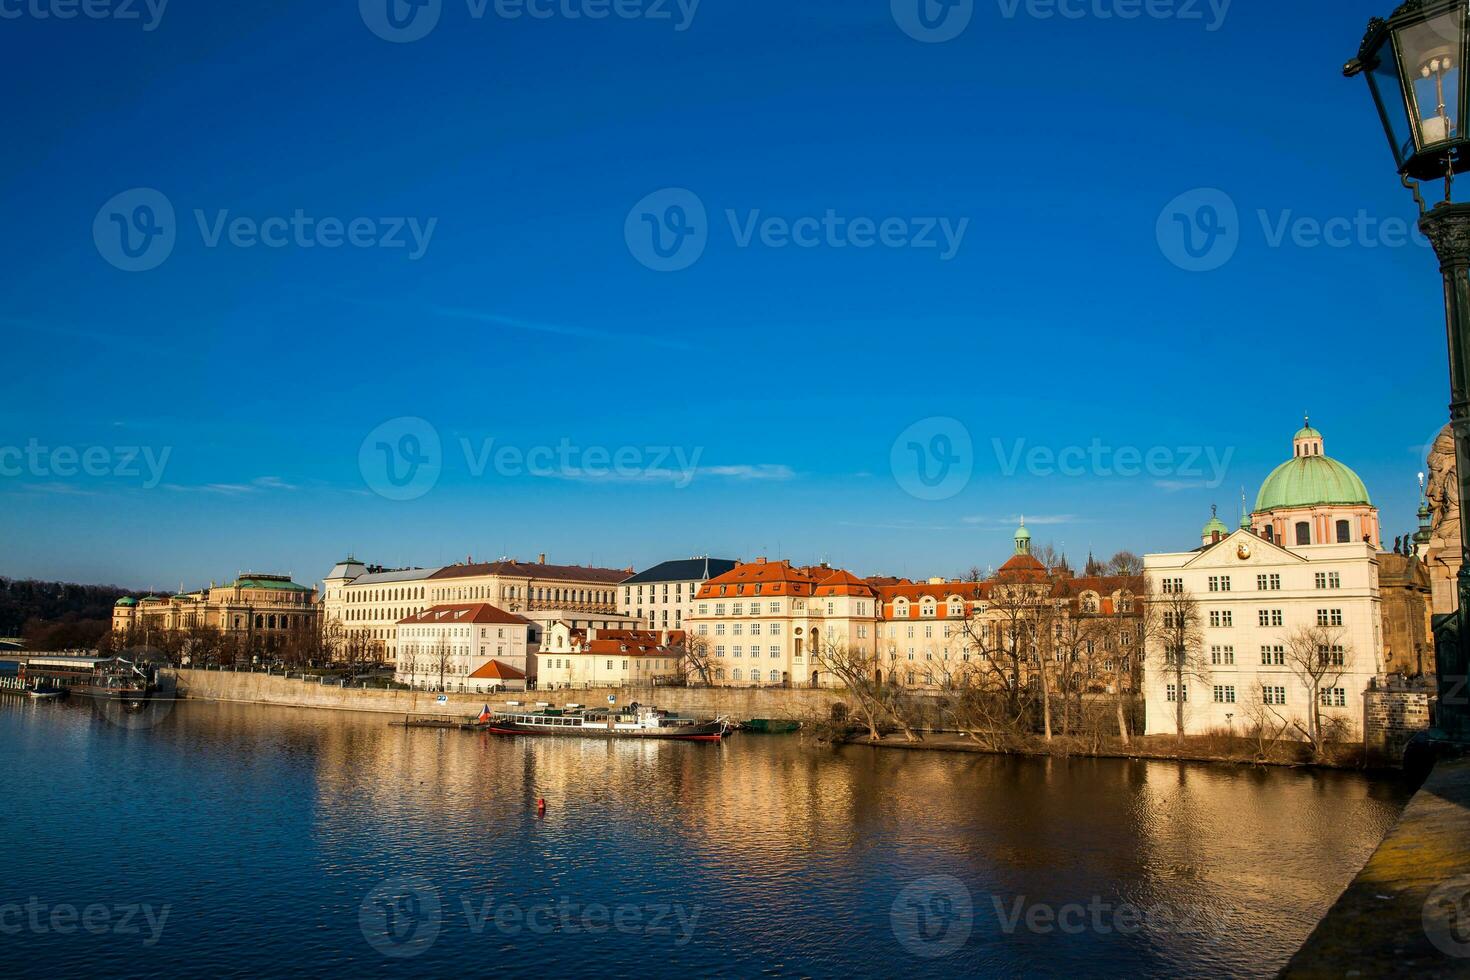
{"x":1429,"y":54}
{"x":1388,"y":90}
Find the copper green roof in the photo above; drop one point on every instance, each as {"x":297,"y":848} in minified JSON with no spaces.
{"x":126,"y":600}
{"x":1215,"y":525}
{"x":278,"y":584}
{"x":1307,"y":433}
{"x":1308,"y":481}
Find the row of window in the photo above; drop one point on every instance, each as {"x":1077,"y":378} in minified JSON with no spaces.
{"x":1275,"y":695}
{"x":1225,"y":618}
{"x":1269,"y":582}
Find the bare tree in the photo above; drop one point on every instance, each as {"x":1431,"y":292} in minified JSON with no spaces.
{"x":877,"y":699}
{"x":1118,"y":640}
{"x":1317,"y":657}
{"x":1179,"y":636}
{"x":698,"y":660}
{"x":442,"y":654}
{"x":1125,"y":564}
{"x":1262,"y":722}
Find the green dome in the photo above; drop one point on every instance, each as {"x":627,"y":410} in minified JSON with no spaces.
{"x":1214,"y":526}
{"x":1023,"y":534}
{"x":126,"y":600}
{"x":1307,"y":433}
{"x":1307,"y":481}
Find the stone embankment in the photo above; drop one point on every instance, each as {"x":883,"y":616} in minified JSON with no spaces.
{"x":736,"y":703}
{"x":1408,"y":911}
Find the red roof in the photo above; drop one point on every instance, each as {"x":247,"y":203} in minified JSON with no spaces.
{"x":772,"y":578}
{"x":1024,"y":568}
{"x":845,"y":583}
{"x":536,"y":570}
{"x":478,"y":613}
{"x":497,"y":671}
{"x":629,"y":648}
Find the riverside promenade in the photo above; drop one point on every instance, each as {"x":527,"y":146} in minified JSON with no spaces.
{"x":1408,"y":911}
{"x":740,"y":704}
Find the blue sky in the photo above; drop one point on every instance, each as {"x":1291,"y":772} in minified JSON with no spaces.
{"x":757,"y":394}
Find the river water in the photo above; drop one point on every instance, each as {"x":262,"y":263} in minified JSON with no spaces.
{"x":239,"y":840}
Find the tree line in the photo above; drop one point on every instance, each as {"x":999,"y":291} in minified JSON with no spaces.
{"x":56,"y":615}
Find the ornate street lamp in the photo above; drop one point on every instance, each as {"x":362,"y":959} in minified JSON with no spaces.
{"x":1414,"y":63}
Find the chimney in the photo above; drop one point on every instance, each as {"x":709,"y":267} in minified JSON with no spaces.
{"x":541,"y":558}
{"x":761,"y":560}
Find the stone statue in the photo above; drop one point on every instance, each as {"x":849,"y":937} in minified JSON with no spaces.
{"x":1443,"y":495}
{"x":1443,"y":490}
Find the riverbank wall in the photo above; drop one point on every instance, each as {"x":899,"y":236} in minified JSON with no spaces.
{"x":1404,"y":914}
{"x":739,"y":704}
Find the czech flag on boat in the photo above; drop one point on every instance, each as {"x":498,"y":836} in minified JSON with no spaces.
{"x":484,"y":715}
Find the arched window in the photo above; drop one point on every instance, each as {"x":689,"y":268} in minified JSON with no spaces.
{"x":735,"y":674}
{"x":1271,"y":533}
{"x":1344,"y":532}
{"x":1303,"y":532}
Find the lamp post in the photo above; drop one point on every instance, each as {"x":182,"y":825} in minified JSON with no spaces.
{"x":1414,"y":64}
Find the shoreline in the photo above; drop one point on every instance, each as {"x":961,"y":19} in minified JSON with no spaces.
{"x":1139,"y":749}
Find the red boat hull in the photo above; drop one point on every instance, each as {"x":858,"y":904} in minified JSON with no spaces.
{"x":659,"y":735}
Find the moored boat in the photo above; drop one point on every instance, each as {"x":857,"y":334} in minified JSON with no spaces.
{"x":634,"y":721}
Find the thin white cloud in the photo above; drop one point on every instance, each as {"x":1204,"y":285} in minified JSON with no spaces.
{"x":1032,"y":520}
{"x":559,"y":329}
{"x":56,"y":489}
{"x":1175,"y":486}
{"x":743,"y":472}
{"x":257,"y":485}
{"x":898,"y":526}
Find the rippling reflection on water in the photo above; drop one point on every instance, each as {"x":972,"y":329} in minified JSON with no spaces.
{"x":289,"y":842}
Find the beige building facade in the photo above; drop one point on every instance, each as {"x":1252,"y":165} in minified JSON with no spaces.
{"x":571,"y":658}
{"x":761,"y":622}
{"x":254,"y":604}
{"x":466,"y":647}
{"x":365,"y":603}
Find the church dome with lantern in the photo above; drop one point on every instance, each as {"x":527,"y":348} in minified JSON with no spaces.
{"x":1314,"y":499}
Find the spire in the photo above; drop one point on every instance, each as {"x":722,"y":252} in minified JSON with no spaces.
{"x":1245,"y":514}
{"x":1425,"y":531}
{"x":1023,"y":539}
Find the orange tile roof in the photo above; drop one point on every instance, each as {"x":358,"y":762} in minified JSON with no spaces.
{"x":497,"y":671}
{"x":841,"y":582}
{"x":772,"y":577}
{"x":536,"y":570}
{"x":629,"y":648}
{"x":478,"y":613}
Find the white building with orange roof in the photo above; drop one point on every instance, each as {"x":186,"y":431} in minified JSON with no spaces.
{"x":609,"y":658}
{"x":761,"y":622}
{"x":470,"y":647}
{"x":942,"y":632}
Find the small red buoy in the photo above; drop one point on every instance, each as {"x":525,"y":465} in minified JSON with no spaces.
{"x":541,"y":806}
